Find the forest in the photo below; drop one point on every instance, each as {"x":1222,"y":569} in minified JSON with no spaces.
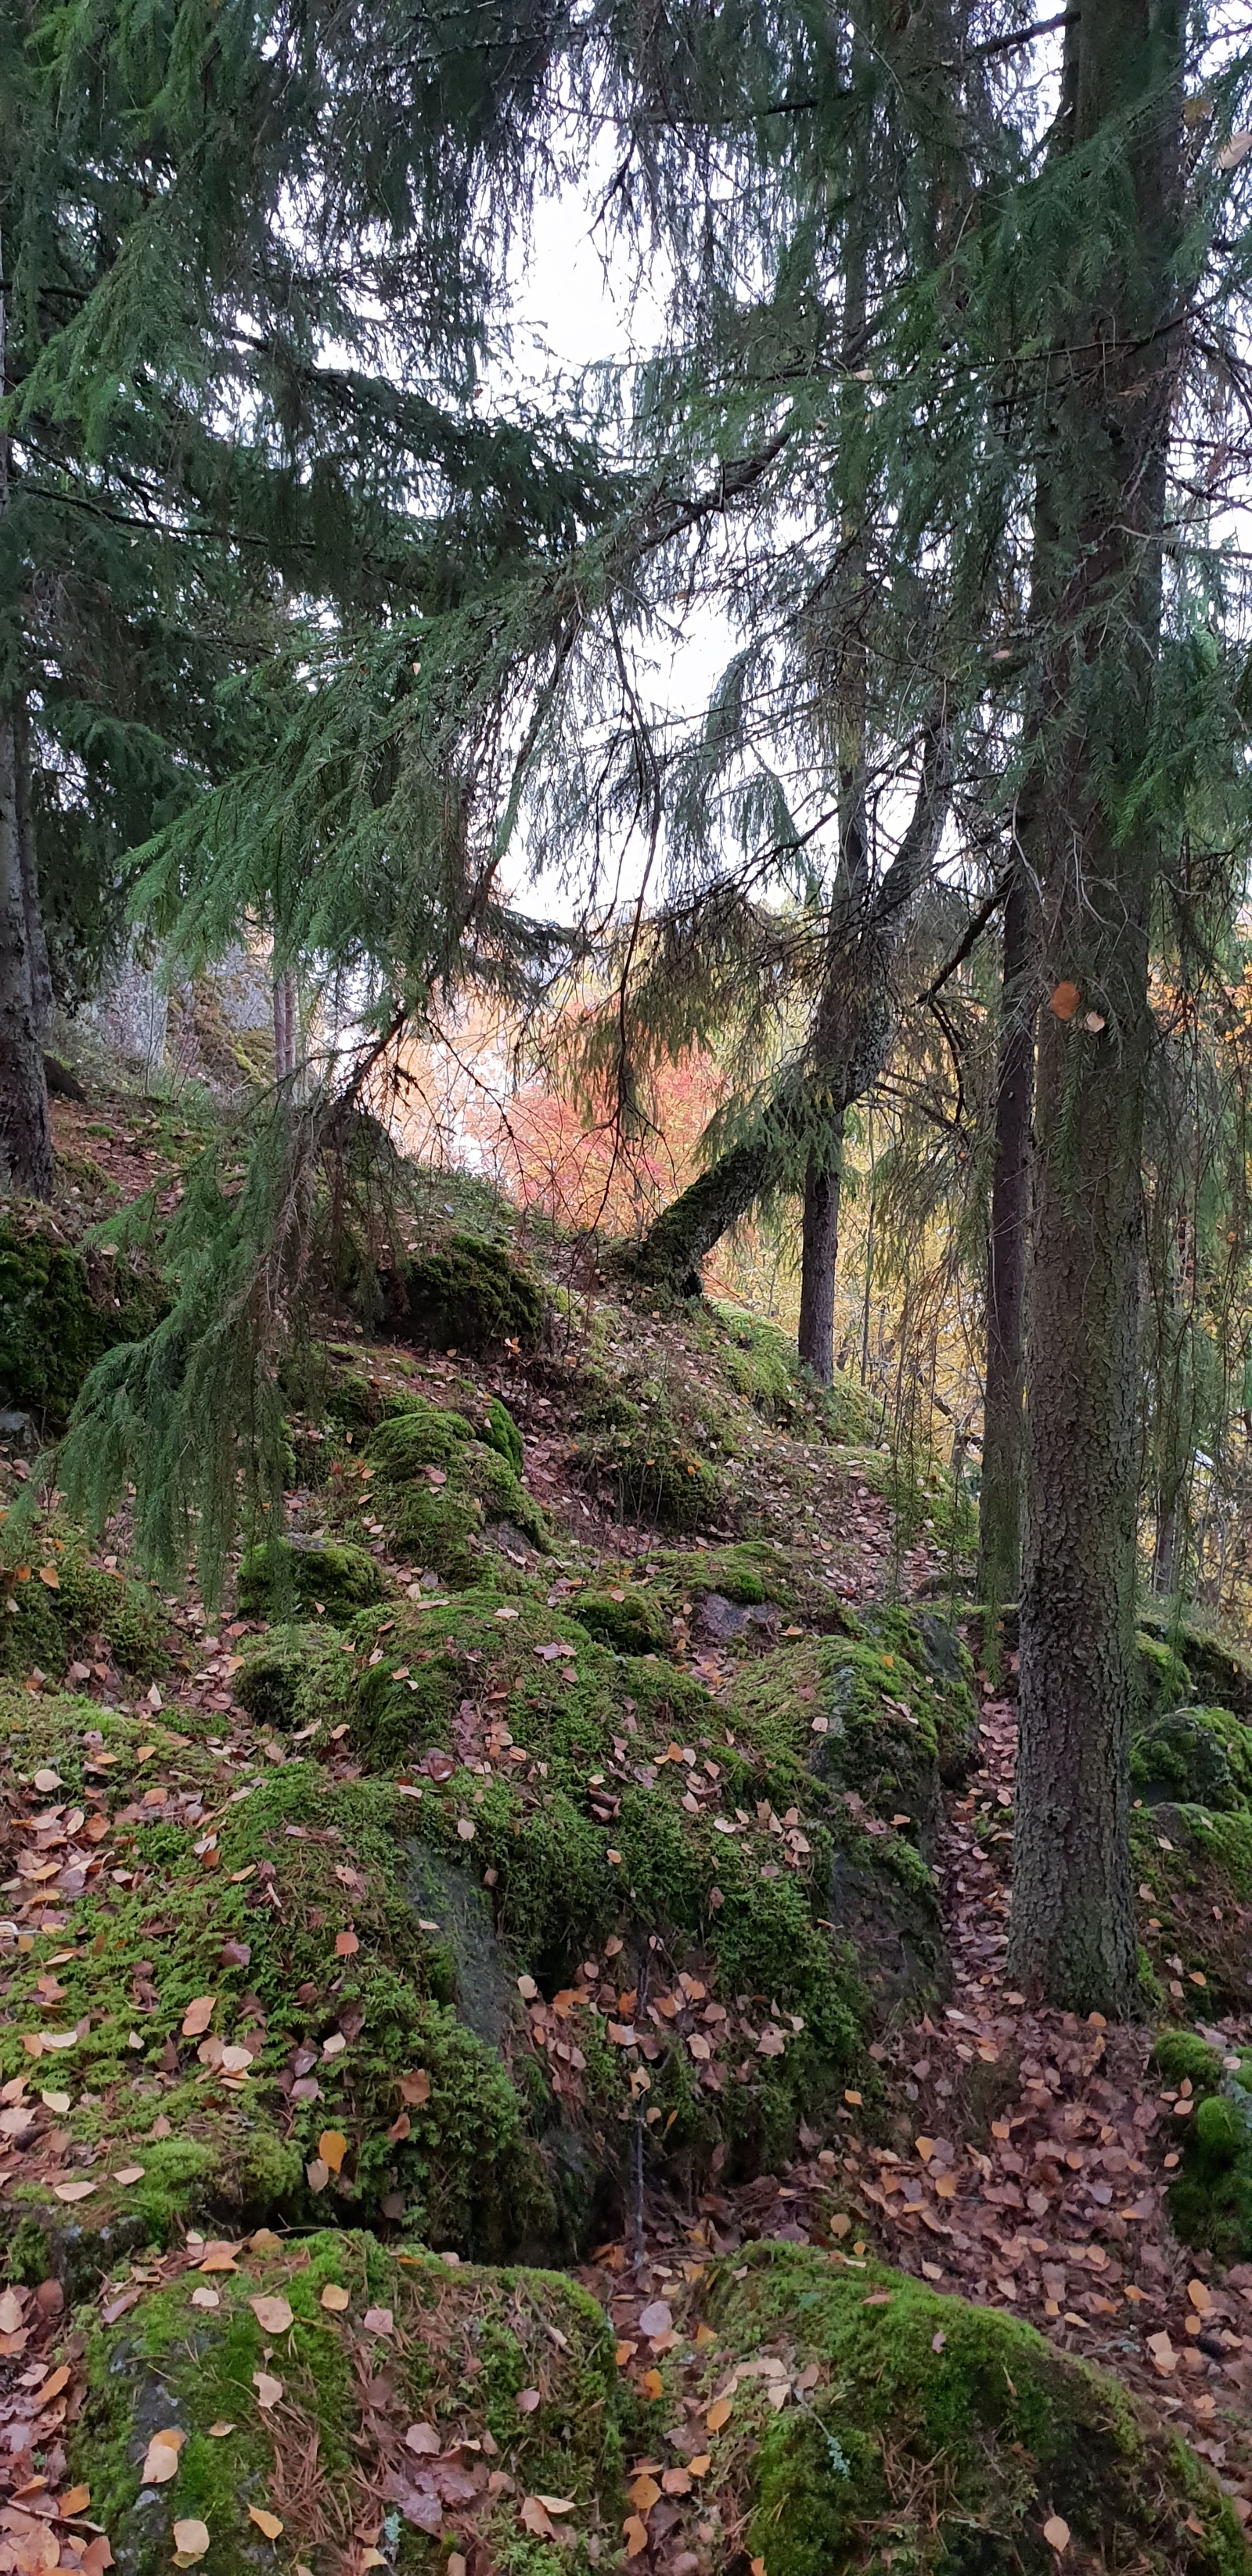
{"x":626,"y":1287}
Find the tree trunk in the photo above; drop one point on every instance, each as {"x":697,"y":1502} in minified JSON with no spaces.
{"x":685,"y":1232}
{"x":36,"y":943}
{"x":1102,"y":482}
{"x":25,"y":1135}
{"x":1000,"y":1503}
{"x":815,"y":1337}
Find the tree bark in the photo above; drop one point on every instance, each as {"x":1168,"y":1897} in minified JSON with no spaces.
{"x":36,"y":941}
{"x":25,"y":1134}
{"x":1000,"y":1503}
{"x":1102,"y":483}
{"x":815,"y":1336}
{"x":25,"y":1131}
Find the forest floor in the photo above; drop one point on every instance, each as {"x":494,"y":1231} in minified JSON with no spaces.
{"x":1032,"y":2153}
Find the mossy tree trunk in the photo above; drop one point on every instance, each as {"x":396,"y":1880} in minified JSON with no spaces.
{"x":1103,"y":479}
{"x":1000,"y":1504}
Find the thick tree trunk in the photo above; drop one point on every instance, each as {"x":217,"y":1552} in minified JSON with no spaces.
{"x":1102,"y":480}
{"x":25,"y":1134}
{"x":1000,"y":1504}
{"x":815,"y":1337}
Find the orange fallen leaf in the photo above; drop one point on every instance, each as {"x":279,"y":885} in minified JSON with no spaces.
{"x":198,"y":2015}
{"x":346,"y":1945}
{"x":651,"y":2384}
{"x":75,"y":2500}
{"x":332,"y":2147}
{"x":335,"y":2298}
{"x":644,"y":2493}
{"x":273,"y":2315}
{"x":161,"y":2458}
{"x":536,"y":2519}
{"x":268,"y":2389}
{"x":636,"y":2536}
{"x":191,"y":2539}
{"x":266,"y":2522}
{"x":719,"y":2413}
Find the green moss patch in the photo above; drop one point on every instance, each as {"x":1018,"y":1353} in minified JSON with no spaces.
{"x":59,"y":1314}
{"x":471,"y":1295}
{"x":280,"y":1575}
{"x":1201,"y":1756}
{"x":57,"y":1605}
{"x":409,"y":2347}
{"x":1197,"y":1870}
{"x":921,"y":2432}
{"x":438,"y":1488}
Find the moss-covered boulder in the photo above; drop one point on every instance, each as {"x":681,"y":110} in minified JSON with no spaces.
{"x":57,"y":1605}
{"x":1209,"y":2095}
{"x":606,"y":1801}
{"x":1161,"y":1679}
{"x":439,"y":1489}
{"x":238,"y":1989}
{"x":59,"y":1313}
{"x":874,"y":2422}
{"x":282,"y":1574}
{"x":333,"y":2388}
{"x":1219,"y":1670}
{"x":299,"y":1675}
{"x":471,"y":1295}
{"x":1202,"y":1756}
{"x":654,"y":1476}
{"x":1193,"y":1869}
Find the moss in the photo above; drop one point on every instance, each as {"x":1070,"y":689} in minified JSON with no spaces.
{"x":462,"y":2345}
{"x":942,"y":2436}
{"x":654,"y":1476}
{"x":1182,"y":2057}
{"x":299,"y":1861}
{"x":500,"y":1432}
{"x":1161,"y":1679}
{"x":1197,"y":1869}
{"x":58,"y":1315}
{"x":1218,"y":1668}
{"x":296,"y":1676}
{"x":439,"y":1488}
{"x":277,"y":1576}
{"x":49,"y":1625}
{"x":626,"y":1617}
{"x":1200,"y":1755}
{"x":471,"y":1295}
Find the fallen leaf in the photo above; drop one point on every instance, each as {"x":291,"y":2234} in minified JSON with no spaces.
{"x":75,"y":2500}
{"x":559,"y":2504}
{"x":423,"y":2439}
{"x":218,"y":2431}
{"x":332,"y":2147}
{"x":273,"y":2315}
{"x":415,"y":2088}
{"x":636,"y":2536}
{"x":268,"y":2389}
{"x":191,"y":2539}
{"x":205,"y":2298}
{"x":266,"y":2522}
{"x":73,"y":2190}
{"x":656,"y":2318}
{"x":346,"y":1945}
{"x":651,"y":2384}
{"x":161,"y":2458}
{"x":527,"y":2400}
{"x":537,"y":2520}
{"x":379,"y":2321}
{"x":334,"y":2298}
{"x":1056,"y":2533}
{"x":129,"y":2173}
{"x":644,"y":2493}
{"x":719,"y":2413}
{"x":198,"y":2015}
{"x":316,"y":2174}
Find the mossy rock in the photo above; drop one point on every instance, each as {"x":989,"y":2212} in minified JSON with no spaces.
{"x":470,"y":1295}
{"x":936,"y":2434}
{"x":754,"y":1573}
{"x":605,"y":1801}
{"x":626,"y":1616}
{"x":1202,"y":1756}
{"x":1217,"y":1668}
{"x":1197,"y":1869}
{"x":1210,"y":2199}
{"x":49,"y":1625}
{"x":438,"y":1488}
{"x":297,"y":1675}
{"x":59,"y":1314}
{"x":655,"y":1477}
{"x":861,"y":1719}
{"x":282,"y":1574}
{"x":457,"y":2348}
{"x":1160,"y":1679}
{"x":500,"y":1432}
{"x":300,"y":1860}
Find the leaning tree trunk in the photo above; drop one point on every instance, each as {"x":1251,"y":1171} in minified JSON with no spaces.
{"x":685,"y":1232}
{"x":1000,"y":1502}
{"x":1103,"y":479}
